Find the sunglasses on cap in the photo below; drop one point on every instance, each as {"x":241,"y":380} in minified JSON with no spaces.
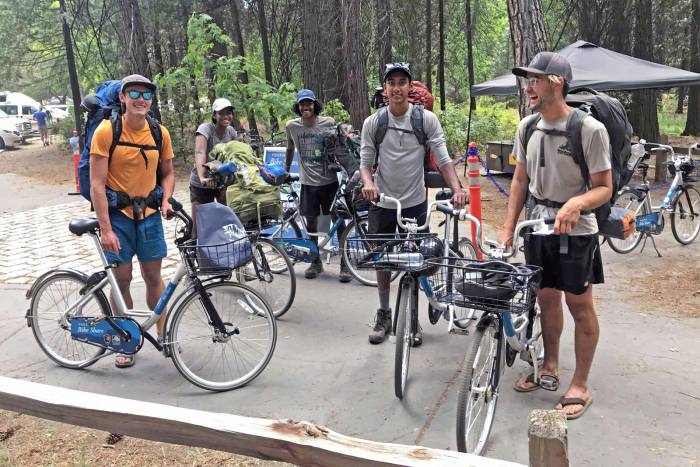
{"x":404,"y":65}
{"x":134,"y":94}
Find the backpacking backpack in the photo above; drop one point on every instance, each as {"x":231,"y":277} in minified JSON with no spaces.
{"x":105,"y":105}
{"x":611,"y":113}
{"x":250,"y":197}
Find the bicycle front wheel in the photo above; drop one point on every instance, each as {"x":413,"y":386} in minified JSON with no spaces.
{"x":628,"y":200}
{"x":276,"y":280}
{"x":216,"y":360}
{"x":50,"y":319}
{"x":478,"y":396}
{"x":685,"y":218}
{"x":404,"y":337}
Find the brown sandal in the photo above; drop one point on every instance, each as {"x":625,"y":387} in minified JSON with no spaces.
{"x":547,"y":381}
{"x":565,"y":401}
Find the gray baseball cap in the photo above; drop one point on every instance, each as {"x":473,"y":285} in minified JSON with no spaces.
{"x":547,"y":63}
{"x":133,"y":80}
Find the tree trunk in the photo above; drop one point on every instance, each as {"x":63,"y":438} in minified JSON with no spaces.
{"x":470,"y":55}
{"x":354,"y":63}
{"x":383,"y":34}
{"x":643,"y":113}
{"x":441,"y":53}
{"x":72,"y":72}
{"x":428,"y":46}
{"x":527,"y":34}
{"x":619,"y":33}
{"x":692,"y":123}
{"x":240,"y":52}
{"x":267,"y":56}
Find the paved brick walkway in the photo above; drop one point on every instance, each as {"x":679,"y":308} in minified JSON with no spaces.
{"x":34,"y":241}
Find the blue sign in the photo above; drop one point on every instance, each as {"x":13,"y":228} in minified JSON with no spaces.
{"x":278,"y":155}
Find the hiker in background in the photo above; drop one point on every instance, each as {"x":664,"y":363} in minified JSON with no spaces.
{"x":203,"y":189}
{"x":131,"y":169}
{"x":40,"y":117}
{"x":318,"y":185}
{"x":400,"y":160}
{"x":549,"y":179}
{"x":74,"y":142}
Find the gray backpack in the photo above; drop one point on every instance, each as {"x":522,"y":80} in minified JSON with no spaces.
{"x":222,"y":242}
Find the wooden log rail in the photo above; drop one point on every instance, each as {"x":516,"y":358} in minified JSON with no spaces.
{"x":301,"y":443}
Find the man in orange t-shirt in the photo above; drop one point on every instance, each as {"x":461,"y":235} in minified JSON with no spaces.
{"x":132,"y":170}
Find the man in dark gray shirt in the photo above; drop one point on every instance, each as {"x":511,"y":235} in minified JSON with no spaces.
{"x":400,"y":174}
{"x":318,"y":183}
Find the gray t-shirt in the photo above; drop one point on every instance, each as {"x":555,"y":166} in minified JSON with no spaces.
{"x":208,"y":130}
{"x":560,"y":179}
{"x":401,"y":156}
{"x":308,"y":140}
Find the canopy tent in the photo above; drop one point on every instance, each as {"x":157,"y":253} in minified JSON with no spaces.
{"x":603,"y":70}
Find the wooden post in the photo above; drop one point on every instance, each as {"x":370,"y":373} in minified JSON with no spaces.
{"x":660,"y":165}
{"x":547,"y":439}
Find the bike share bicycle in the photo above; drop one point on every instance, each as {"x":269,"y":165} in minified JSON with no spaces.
{"x":681,"y":202}
{"x":220,"y":334}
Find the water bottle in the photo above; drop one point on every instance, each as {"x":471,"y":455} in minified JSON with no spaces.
{"x":246,"y":176}
{"x":636,"y":153}
{"x":227,"y":169}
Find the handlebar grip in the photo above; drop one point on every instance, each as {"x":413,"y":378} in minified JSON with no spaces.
{"x":292,"y":178}
{"x":444,"y":208}
{"x":550,"y":220}
{"x":177,"y":206}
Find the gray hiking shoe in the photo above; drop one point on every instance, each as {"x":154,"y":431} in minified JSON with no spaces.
{"x":382,"y":327}
{"x":418,"y":337}
{"x":344,"y":275}
{"x":314,"y":269}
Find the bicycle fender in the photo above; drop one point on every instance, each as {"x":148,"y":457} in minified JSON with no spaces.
{"x":39,"y":280}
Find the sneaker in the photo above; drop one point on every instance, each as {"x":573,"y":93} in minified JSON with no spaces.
{"x":418,"y":337}
{"x":344,"y":275}
{"x":314,"y":269}
{"x":382,"y":327}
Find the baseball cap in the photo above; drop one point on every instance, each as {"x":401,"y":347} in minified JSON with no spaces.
{"x":221,"y":104}
{"x":547,"y":63}
{"x":133,"y":80}
{"x":306,"y":95}
{"x":403,"y":67}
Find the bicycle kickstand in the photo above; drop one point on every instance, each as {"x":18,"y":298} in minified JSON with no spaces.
{"x":653,"y":242}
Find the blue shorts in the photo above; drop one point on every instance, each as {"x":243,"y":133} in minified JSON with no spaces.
{"x":144,"y":238}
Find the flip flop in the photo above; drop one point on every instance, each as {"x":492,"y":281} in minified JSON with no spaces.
{"x":564,"y":401}
{"x":124,"y":361}
{"x":547,"y":382}
{"x":530,"y":379}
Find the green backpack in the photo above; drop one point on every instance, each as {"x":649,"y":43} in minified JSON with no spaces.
{"x":252,"y":199}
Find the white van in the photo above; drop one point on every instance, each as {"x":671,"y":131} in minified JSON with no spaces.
{"x":14,"y":127}
{"x":16,"y":104}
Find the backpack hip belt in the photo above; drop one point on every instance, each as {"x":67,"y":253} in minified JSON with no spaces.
{"x":139,"y":203}
{"x":554,"y":204}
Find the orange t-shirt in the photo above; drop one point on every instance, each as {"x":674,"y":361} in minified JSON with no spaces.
{"x":129,"y":171}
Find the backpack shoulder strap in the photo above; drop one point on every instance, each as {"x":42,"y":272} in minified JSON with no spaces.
{"x":115,"y":119}
{"x":156,"y":132}
{"x":417,"y":125}
{"x":380,"y":132}
{"x":573,"y":134}
{"x":530,"y":129}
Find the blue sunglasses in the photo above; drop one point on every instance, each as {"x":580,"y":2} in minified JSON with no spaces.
{"x":147,"y":95}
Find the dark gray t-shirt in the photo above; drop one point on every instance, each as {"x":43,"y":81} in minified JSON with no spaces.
{"x":308,"y":140}
{"x":208,"y":130}
{"x":559,"y":179}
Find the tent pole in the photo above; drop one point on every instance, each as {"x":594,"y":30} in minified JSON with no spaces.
{"x":469,"y":130}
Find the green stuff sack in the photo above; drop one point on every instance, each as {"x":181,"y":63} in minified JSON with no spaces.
{"x":252,"y":199}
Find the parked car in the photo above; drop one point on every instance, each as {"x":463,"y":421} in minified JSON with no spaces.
{"x":16,"y":104}
{"x":16,"y":126}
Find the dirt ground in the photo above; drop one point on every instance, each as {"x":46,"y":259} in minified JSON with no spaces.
{"x":26,"y":440}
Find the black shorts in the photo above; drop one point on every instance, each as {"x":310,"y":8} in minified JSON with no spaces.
{"x":383,"y":220}
{"x":206,"y":195}
{"x":317,"y":199}
{"x":572,"y":272}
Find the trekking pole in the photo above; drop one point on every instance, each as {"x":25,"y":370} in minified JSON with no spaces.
{"x":76,"y":160}
{"x":474,"y":189}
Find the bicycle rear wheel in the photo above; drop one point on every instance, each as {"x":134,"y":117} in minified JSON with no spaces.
{"x":51,"y":323}
{"x":404,"y":338}
{"x":220,"y":361}
{"x":685,"y":218}
{"x":478,"y":396}
{"x":628,"y":200}
{"x":358,"y":230}
{"x":277,"y":282}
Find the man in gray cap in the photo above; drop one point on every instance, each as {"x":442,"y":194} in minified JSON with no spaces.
{"x":128,"y":166}
{"x":548,"y":178}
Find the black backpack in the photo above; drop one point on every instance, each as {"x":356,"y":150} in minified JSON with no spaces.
{"x":610,"y":112}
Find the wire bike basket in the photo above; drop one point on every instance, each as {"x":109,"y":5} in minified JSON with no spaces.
{"x":217,"y":259}
{"x":690,"y":170}
{"x":384,"y":252}
{"x":492,"y":286}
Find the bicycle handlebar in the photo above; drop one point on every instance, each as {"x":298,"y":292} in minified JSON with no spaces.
{"x":412,"y":225}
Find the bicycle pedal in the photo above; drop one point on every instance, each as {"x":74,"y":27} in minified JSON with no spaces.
{"x":458,"y":331}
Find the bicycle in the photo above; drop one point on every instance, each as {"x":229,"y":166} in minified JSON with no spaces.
{"x":219,"y":334}
{"x":407,"y":253}
{"x":509,"y":325}
{"x":273,"y":275}
{"x":681,"y":202}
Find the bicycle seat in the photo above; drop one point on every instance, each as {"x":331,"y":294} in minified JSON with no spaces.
{"x":81,"y":226}
{"x":638,"y":187}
